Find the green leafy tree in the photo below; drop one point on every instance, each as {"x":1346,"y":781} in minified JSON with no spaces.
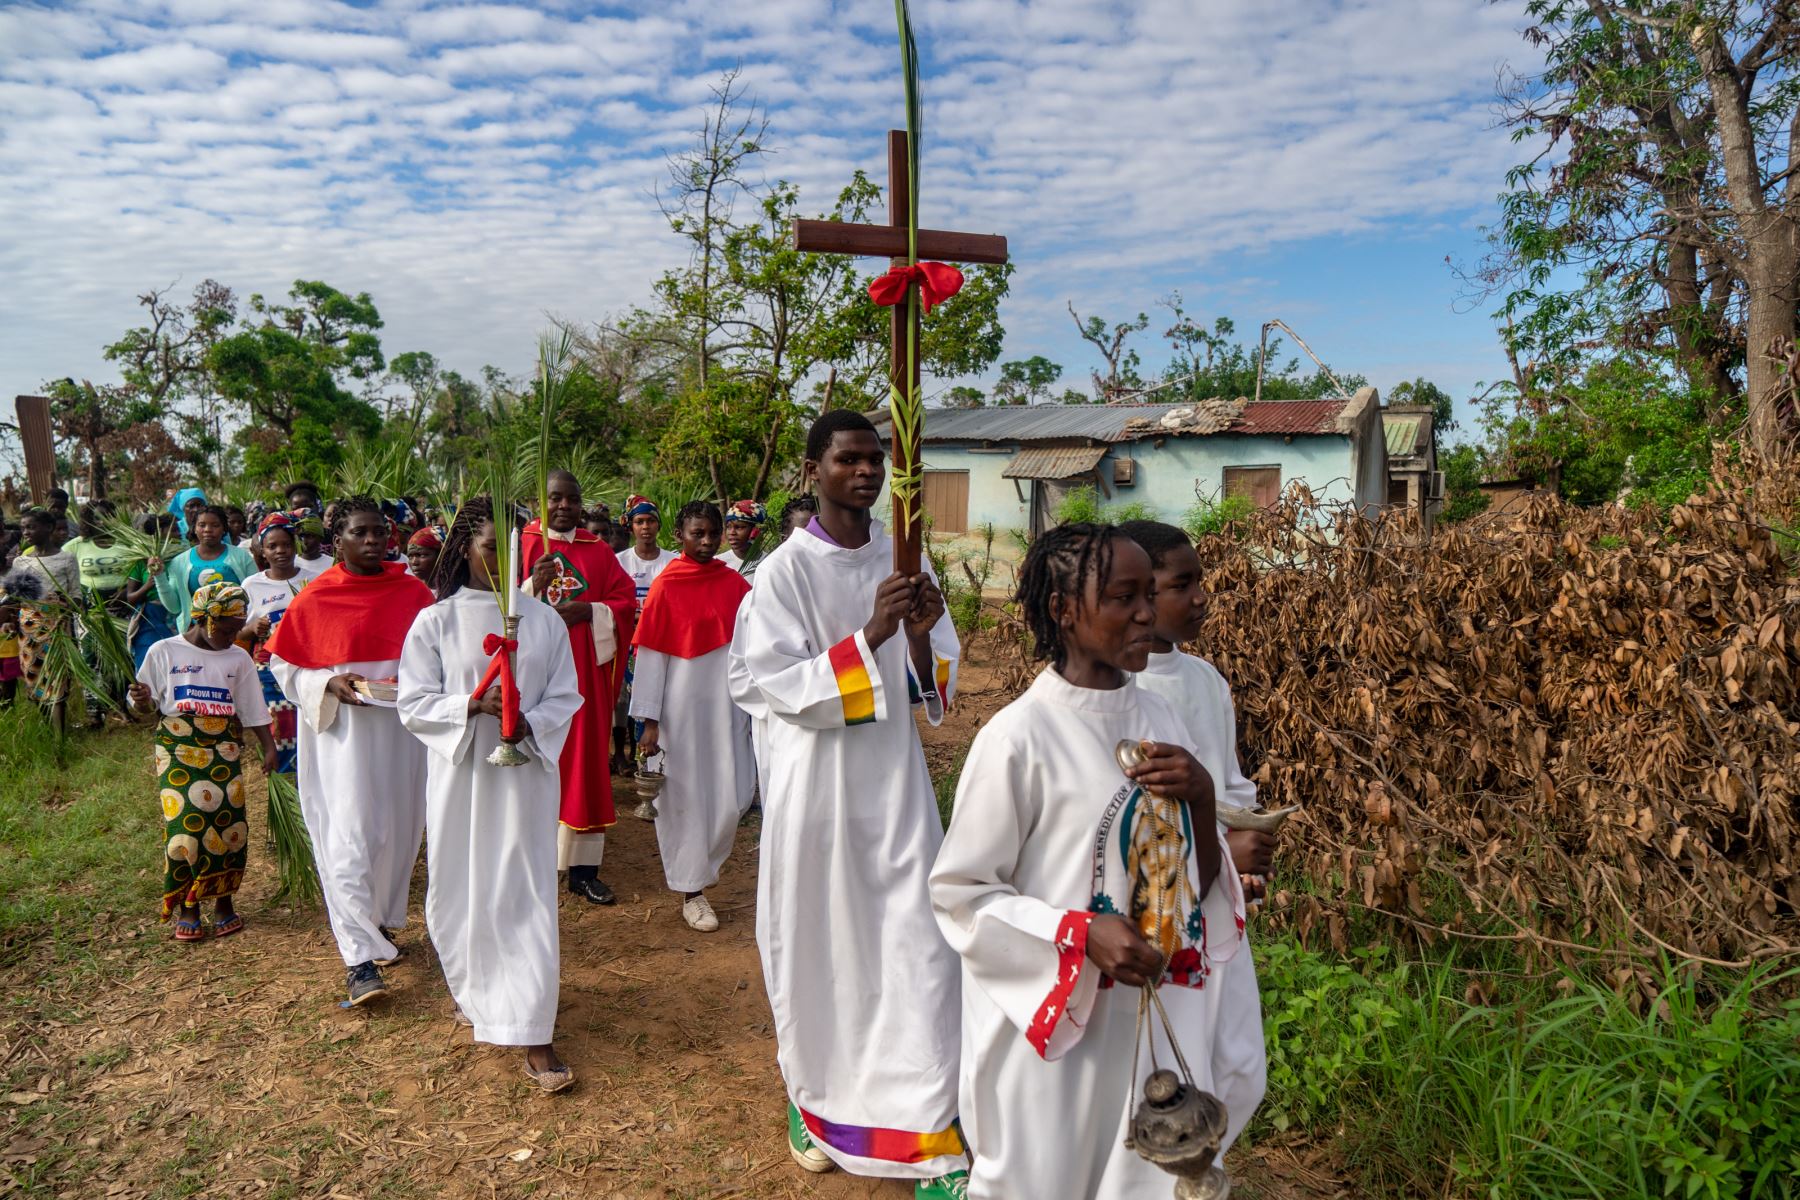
{"x":1208,"y":362}
{"x":1026,"y":381}
{"x":963,"y":396}
{"x":164,"y":377}
{"x":1122,"y":362}
{"x":1422,"y":391}
{"x":1661,"y":180}
{"x":290,"y":367}
{"x":1464,"y":467}
{"x":1625,"y":429}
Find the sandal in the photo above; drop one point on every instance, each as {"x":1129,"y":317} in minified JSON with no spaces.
{"x":230,"y":925}
{"x":189,"y":929}
{"x":559,"y":1080}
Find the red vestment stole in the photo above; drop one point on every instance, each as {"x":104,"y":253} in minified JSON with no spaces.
{"x":587,"y":570}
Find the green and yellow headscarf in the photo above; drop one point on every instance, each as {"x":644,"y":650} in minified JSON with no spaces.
{"x":217,"y":601}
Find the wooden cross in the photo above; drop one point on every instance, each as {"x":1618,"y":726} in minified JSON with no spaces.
{"x":889,"y":241}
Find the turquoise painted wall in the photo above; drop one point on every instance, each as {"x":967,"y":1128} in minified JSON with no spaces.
{"x":1167,"y":475}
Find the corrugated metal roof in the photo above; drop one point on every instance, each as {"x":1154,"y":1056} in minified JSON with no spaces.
{"x":1291,"y":416}
{"x":1401,"y":432}
{"x":1053,"y":462}
{"x":1111,"y":423}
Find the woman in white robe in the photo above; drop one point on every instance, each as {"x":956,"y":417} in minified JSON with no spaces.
{"x":490,"y":903}
{"x":1050,"y":842}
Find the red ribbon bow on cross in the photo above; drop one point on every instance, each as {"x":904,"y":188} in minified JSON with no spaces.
{"x":937,"y":283}
{"x":501,"y":650}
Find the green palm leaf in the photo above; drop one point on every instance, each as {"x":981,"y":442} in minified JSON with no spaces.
{"x":293,"y":847}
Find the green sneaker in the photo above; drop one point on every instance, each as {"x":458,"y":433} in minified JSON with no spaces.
{"x":954,"y":1186}
{"x":800,"y":1145}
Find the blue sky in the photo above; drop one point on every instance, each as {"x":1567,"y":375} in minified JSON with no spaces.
{"x":475,"y":167}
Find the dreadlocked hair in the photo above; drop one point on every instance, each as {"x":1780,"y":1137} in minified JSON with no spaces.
{"x":697,"y":509}
{"x":1059,"y":562}
{"x":452,"y":571}
{"x":343,"y":510}
{"x":1156,"y":538}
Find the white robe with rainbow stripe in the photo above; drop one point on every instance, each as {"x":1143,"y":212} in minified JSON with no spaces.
{"x":862,"y":985}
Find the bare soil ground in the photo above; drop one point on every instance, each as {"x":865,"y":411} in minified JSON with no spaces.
{"x":228,"y":1069}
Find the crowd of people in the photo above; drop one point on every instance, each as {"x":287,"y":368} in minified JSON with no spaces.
{"x":959,"y":1008}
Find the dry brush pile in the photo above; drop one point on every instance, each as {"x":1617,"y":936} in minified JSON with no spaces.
{"x":1570,"y":728}
{"x":1586,"y":722}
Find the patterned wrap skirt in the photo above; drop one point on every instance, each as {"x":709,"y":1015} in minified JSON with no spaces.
{"x":37,"y":627}
{"x":284,"y":724}
{"x":199,"y":764}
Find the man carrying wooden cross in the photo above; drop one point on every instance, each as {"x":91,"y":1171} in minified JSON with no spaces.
{"x":842,"y":635}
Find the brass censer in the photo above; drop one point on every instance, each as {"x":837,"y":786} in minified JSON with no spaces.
{"x":1175,"y":1126}
{"x":649,"y":785}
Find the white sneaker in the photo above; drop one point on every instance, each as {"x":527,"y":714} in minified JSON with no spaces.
{"x":699,"y":915}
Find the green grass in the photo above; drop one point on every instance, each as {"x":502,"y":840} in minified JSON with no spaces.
{"x":1557,"y":1087}
{"x":83,"y":831}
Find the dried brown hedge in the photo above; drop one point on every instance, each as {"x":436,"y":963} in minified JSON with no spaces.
{"x":1556,"y":725}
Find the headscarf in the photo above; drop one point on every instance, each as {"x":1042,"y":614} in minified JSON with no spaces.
{"x":254,"y":512}
{"x":428,"y":538}
{"x":748,"y":512}
{"x":218,"y":600}
{"x":178,"y":505}
{"x":276,"y":520}
{"x":641,"y":506}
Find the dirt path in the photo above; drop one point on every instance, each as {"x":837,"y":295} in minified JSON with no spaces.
{"x":227,"y":1069}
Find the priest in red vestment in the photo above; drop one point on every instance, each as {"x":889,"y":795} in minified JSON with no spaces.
{"x":581,"y":578}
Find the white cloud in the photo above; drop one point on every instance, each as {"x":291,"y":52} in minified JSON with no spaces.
{"x":475,"y":166}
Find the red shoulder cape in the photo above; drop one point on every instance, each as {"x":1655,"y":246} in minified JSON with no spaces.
{"x":341,"y":617}
{"x":691,"y":608}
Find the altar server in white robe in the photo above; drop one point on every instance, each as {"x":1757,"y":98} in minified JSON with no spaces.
{"x":682,"y":695}
{"x":836,"y":646}
{"x":1196,"y":691}
{"x":490,"y":905}
{"x":362,"y":779}
{"x":1065,"y":884}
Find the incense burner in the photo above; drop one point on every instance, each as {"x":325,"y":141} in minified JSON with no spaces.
{"x":1178,"y":1128}
{"x":649,"y":785}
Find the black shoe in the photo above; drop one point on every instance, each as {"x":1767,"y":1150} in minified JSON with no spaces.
{"x":365,"y":983}
{"x":392,"y":935}
{"x":593,"y":890}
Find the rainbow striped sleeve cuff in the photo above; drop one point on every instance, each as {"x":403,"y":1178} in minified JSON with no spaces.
{"x":855,"y":680}
{"x":888,"y":1145}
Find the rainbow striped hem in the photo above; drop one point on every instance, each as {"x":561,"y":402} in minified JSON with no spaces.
{"x":854,"y":687}
{"x":888,"y":1145}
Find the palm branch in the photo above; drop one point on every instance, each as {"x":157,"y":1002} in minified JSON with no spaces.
{"x":906,"y":405}
{"x":293,"y":847}
{"x":553,"y":360}
{"x":138,"y":547}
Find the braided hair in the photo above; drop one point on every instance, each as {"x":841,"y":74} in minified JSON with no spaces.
{"x":342,"y":510}
{"x":696,"y":510}
{"x":1059,"y":563}
{"x":452,"y":571}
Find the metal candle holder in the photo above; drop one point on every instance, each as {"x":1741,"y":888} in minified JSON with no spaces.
{"x":508,"y":754}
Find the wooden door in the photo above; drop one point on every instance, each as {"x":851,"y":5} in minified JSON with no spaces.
{"x":1261,"y":484}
